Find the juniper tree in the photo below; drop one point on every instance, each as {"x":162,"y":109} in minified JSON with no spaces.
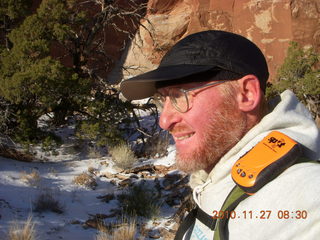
{"x":58,"y":62}
{"x":33,"y":81}
{"x":11,"y":13}
{"x":300,"y":72}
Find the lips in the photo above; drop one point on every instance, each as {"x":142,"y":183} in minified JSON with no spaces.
{"x":181,"y":134}
{"x":183,"y":137}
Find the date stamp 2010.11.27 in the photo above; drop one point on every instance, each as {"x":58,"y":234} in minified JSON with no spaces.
{"x":263,"y":214}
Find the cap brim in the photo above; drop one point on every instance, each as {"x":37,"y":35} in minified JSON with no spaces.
{"x":143,"y":86}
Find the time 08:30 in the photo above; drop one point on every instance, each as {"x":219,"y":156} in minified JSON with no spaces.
{"x":263,"y":214}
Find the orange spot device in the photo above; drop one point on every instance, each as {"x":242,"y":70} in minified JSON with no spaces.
{"x":265,"y":161}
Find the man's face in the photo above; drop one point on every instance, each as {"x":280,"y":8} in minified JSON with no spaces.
{"x":207,"y":131}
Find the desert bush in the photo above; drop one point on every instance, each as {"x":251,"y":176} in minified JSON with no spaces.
{"x":92,"y":170}
{"x":107,"y":119}
{"x":126,"y":229}
{"x":157,"y":145}
{"x":85,"y":180}
{"x":98,"y":132}
{"x":33,"y":178}
{"x":123,"y":156}
{"x":140,"y":200}
{"x":300,"y":73}
{"x":149,"y":139}
{"x":46,"y":202}
{"x":103,"y":236}
{"x":94,"y":152}
{"x":51,"y":143}
{"x":53,"y":171}
{"x":22,"y":232}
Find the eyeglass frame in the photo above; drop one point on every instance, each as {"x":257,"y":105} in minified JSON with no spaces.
{"x":185,"y":92}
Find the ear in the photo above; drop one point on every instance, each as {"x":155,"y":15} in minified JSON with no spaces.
{"x":249,"y":94}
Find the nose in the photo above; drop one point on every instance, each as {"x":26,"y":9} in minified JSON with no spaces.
{"x":169,"y":116}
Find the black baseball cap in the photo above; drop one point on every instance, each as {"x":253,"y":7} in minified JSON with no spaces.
{"x":198,"y":53}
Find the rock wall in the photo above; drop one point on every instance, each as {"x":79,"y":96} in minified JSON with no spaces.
{"x":271,"y":24}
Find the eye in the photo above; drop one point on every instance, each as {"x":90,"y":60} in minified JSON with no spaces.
{"x":159,"y":97}
{"x":176,"y":93}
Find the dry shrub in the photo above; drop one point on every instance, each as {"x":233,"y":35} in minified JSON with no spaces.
{"x":53,"y":171}
{"x":124,"y":230}
{"x":22,"y":232}
{"x":157,"y":145}
{"x":123,"y":156}
{"x":85,"y":180}
{"x":140,"y":200}
{"x":102,"y":236}
{"x":46,"y":202}
{"x":17,"y":154}
{"x":127,"y":231}
{"x":92,"y":170}
{"x":32,"y":179}
{"x":94,"y":152}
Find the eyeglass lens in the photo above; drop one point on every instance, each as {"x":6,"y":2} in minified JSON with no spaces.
{"x":178,"y":98}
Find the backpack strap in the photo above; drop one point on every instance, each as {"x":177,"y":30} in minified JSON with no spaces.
{"x":234,"y":198}
{"x":220,"y":226}
{"x":186,"y":224}
{"x":190,"y":219}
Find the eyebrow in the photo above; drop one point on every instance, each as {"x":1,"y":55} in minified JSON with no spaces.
{"x":206,"y":85}
{"x":182,"y":85}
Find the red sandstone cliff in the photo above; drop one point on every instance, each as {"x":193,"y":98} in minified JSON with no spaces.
{"x":271,"y":24}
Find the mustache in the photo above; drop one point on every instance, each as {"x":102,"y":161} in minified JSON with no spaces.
{"x":177,"y":129}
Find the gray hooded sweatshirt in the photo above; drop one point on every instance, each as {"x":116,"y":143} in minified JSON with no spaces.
{"x":287,"y":207}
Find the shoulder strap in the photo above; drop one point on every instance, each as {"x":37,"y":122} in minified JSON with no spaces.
{"x":186,"y":224}
{"x":196,"y":213}
{"x":234,"y":198}
{"x":220,"y":226}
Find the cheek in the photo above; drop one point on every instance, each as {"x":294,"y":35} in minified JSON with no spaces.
{"x":199,"y":119}
{"x":202,"y":110}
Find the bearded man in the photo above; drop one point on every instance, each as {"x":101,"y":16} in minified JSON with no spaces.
{"x":252,"y":163}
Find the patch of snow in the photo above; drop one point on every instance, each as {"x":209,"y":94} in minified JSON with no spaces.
{"x":55,"y":176}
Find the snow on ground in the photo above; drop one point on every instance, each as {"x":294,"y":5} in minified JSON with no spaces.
{"x":17,"y":197}
{"x":55,"y":176}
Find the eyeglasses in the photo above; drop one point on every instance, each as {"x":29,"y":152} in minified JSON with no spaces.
{"x":180,"y":98}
